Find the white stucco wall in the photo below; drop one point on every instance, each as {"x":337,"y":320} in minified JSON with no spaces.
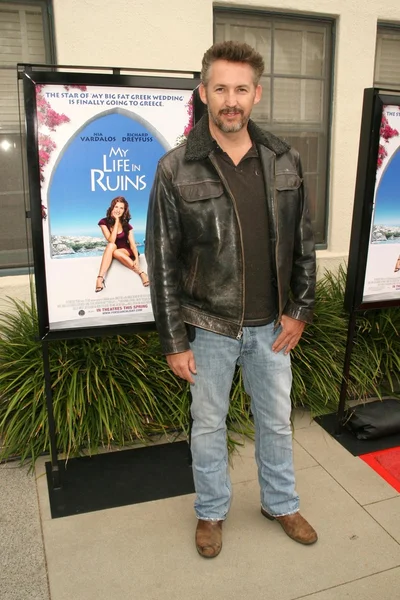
{"x":174,"y":35}
{"x":16,"y":287}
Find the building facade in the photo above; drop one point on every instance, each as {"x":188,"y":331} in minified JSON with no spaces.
{"x":320,"y":55}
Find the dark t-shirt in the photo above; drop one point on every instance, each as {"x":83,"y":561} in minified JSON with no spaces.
{"x":121,"y":241}
{"x":246,"y":182}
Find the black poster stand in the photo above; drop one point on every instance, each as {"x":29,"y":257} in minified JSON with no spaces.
{"x":346,"y":373}
{"x":55,"y":471}
{"x":33,"y":75}
{"x":372,"y":140}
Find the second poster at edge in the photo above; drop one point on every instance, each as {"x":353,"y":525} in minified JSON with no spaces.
{"x":95,"y":144}
{"x":382,"y":275}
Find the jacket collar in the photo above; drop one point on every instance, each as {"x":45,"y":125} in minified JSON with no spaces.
{"x":200,"y":142}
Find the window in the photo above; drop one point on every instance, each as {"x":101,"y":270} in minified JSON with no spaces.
{"x":387,"y":58}
{"x":24,"y":37}
{"x":296,"y":89}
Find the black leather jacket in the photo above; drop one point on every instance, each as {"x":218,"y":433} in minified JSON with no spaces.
{"x":194,"y":245}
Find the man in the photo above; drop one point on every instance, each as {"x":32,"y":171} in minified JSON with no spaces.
{"x":232,"y":264}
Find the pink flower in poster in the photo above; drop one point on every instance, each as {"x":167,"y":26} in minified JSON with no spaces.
{"x":189,"y":125}
{"x":46,"y":143}
{"x":51,"y":119}
{"x":83,"y":88}
{"x":386,"y":133}
{"x":46,"y":115}
{"x":44,"y":158}
{"x":382,"y":154}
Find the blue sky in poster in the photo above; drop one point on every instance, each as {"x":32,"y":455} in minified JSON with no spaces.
{"x":89,"y":174}
{"x":387,"y":205}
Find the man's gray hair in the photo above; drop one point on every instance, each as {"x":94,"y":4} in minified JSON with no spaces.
{"x":232,"y":52}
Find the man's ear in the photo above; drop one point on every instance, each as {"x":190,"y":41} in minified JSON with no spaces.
{"x":203,"y":93}
{"x":258,"y":95}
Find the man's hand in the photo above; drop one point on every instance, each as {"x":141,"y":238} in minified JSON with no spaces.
{"x":182,"y":365}
{"x":290,"y":335}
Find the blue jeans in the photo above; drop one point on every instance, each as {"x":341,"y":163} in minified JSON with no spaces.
{"x":267,"y":378}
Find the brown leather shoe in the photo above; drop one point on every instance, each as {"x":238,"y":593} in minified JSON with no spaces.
{"x":209,"y":538}
{"x":295,"y":526}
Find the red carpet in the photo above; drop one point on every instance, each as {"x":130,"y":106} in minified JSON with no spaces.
{"x":387,"y":464}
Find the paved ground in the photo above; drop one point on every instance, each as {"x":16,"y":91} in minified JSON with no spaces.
{"x":146,"y":551}
{"x":23,"y":573}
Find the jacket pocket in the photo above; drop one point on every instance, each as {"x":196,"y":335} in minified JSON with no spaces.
{"x":204,"y":190}
{"x":287,"y":181}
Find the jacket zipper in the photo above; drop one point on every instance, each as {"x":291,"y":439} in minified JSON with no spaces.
{"x":270,"y":168}
{"x":280,"y":308}
{"x":224,"y":182}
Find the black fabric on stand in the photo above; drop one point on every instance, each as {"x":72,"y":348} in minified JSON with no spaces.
{"x":350,"y":441}
{"x":120,"y":478}
{"x":374,"y":420}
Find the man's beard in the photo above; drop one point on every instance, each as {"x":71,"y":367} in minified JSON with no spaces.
{"x":228,"y":127}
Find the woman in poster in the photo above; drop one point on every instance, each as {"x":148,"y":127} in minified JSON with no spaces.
{"x":121,"y":243}
{"x":397,"y":265}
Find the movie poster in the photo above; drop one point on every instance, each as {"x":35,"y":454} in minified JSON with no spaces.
{"x":382,"y":276}
{"x":97,"y":144}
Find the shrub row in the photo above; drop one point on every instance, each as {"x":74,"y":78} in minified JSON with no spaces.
{"x":114,"y":391}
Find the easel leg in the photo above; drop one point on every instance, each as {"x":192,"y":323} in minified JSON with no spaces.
{"x":346,"y":372}
{"x":55,"y":471}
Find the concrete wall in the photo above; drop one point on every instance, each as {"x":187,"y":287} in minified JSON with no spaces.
{"x":175,"y":34}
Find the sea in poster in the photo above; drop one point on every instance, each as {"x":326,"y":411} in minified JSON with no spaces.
{"x":382,"y":276}
{"x":97,"y":143}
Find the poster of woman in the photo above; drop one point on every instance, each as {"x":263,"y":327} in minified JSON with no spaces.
{"x":382,"y":276}
{"x":121,"y":244}
{"x":98,"y":148}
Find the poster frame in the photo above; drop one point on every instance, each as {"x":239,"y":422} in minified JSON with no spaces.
{"x":32,"y":75}
{"x":373,"y":105}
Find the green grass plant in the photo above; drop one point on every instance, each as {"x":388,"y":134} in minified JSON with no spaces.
{"x":318,"y":360}
{"x":116,"y":391}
